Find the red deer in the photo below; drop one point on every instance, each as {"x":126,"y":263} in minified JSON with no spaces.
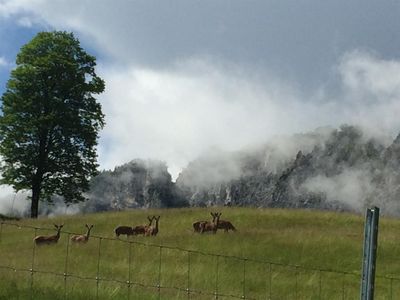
{"x":197,"y":225}
{"x":123,"y":230}
{"x":153,"y":230}
{"x":141,"y":229}
{"x":225,"y":225}
{"x":208,"y":226}
{"x":48,"y":239}
{"x":82,"y":238}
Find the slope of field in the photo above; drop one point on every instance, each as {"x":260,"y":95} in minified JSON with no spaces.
{"x":275,"y":254}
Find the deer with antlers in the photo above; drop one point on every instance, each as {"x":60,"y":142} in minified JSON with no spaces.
{"x":141,"y":229}
{"x":211,"y":226}
{"x":197,"y":225}
{"x":49,"y":239}
{"x":82,"y":238}
{"x":153,"y":230}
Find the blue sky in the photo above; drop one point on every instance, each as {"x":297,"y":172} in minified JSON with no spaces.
{"x":183,"y":77}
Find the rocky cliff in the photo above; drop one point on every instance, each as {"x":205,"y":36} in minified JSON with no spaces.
{"x":341,"y":169}
{"x":137,"y":184}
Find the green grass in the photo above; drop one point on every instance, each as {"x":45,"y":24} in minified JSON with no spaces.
{"x":326,"y":247}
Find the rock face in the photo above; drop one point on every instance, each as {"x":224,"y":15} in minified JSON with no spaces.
{"x":338,"y":169}
{"x":333,"y":169}
{"x":137,"y":184}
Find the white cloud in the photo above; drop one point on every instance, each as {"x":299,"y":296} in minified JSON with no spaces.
{"x":10,"y":8}
{"x":371,"y":88}
{"x":351,"y":187}
{"x":366,"y":75}
{"x":176,"y":112}
{"x":12,"y":203}
{"x":3,"y":62}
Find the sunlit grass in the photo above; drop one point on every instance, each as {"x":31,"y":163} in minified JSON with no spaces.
{"x":291,"y":254}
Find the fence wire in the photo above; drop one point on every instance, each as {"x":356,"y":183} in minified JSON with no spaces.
{"x":191,"y":261}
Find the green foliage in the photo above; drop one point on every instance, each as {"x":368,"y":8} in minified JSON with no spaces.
{"x":51,"y":120}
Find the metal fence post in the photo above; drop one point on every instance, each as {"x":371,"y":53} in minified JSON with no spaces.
{"x":369,"y":253}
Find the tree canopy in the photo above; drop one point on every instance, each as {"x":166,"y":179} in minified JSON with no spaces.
{"x":51,"y":119}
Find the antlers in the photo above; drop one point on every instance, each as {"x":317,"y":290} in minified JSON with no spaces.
{"x":141,"y":229}
{"x":82,"y":238}
{"x":48,"y":239}
{"x":203,"y":226}
{"x":208,"y":226}
{"x":153,"y":230}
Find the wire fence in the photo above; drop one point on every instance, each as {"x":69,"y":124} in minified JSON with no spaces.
{"x":107,"y":268}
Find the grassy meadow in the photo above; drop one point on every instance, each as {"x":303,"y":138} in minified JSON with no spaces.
{"x":290,"y":254}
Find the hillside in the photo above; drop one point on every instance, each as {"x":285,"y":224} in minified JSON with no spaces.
{"x":276,"y":253}
{"x":342,"y":169}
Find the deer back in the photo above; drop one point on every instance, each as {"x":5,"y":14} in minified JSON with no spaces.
{"x":123,"y":230}
{"x":226,"y":225}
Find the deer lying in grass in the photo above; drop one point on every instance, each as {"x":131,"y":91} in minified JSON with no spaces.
{"x":153,"y":230}
{"x":49,"y":239}
{"x":208,"y":226}
{"x":197,"y":225}
{"x":82,"y":238}
{"x":123,"y":230}
{"x":141,"y":229}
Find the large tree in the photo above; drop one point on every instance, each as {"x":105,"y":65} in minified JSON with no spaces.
{"x":50,"y":122}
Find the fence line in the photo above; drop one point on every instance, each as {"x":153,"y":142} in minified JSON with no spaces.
{"x":305,"y":268}
{"x":187,"y":289}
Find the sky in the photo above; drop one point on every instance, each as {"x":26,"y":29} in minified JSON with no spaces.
{"x":183,"y":77}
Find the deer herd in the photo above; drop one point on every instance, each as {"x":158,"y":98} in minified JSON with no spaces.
{"x":146,"y":230}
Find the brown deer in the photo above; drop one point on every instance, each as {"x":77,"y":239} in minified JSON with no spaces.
{"x":153,"y":230}
{"x":48,"y":239}
{"x":197,"y":225}
{"x":208,"y":226}
{"x":82,"y":238}
{"x":123,"y":230}
{"x":141,"y":229}
{"x":225,"y":225}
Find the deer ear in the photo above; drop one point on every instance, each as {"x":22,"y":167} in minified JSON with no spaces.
{"x":211,"y":214}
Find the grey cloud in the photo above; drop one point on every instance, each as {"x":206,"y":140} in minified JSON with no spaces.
{"x":299,"y":40}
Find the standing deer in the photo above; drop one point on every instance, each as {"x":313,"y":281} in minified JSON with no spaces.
{"x":141,"y":229}
{"x":123,"y":230}
{"x":49,"y":239}
{"x":208,"y":226}
{"x":153,"y":230}
{"x":82,"y":238}
{"x":197,"y":225}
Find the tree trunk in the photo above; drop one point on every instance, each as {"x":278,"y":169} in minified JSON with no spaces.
{"x":35,"y":199}
{"x":35,"y":202}
{"x":38,"y":177}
